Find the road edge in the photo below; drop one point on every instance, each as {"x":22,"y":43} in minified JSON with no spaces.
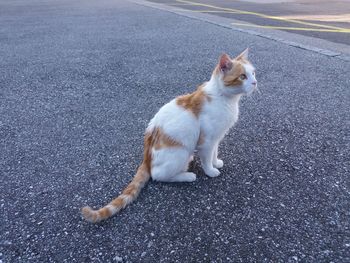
{"x":337,"y":50}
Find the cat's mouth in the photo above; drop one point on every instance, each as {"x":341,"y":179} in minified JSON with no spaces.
{"x":254,"y":88}
{"x":251,"y":89}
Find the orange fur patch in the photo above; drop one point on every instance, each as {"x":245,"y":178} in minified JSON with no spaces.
{"x":105,"y":212}
{"x":89,"y":214}
{"x":118,"y":202}
{"x":130,"y":189}
{"x":161,"y":140}
{"x":232,"y":77}
{"x":147,"y":152}
{"x":139,"y":179}
{"x":193,"y":102}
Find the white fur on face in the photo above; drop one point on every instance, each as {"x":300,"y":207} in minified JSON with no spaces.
{"x":248,"y":85}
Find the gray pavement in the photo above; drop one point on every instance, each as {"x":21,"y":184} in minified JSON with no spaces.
{"x":79,"y":81}
{"x":313,"y":18}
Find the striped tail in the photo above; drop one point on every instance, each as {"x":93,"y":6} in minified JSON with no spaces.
{"x":129,"y":194}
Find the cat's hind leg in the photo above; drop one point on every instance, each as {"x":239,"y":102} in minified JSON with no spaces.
{"x":182,"y":177}
{"x":170,"y":165}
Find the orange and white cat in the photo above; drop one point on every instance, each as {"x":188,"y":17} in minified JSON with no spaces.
{"x":196,"y":121}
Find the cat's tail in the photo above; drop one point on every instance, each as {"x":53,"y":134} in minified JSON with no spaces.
{"x":129,"y":194}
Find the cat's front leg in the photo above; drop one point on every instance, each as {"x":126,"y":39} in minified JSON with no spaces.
{"x":206,"y":153}
{"x":217,"y":163}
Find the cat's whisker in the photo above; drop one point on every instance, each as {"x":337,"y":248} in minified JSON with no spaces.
{"x":258,"y":90}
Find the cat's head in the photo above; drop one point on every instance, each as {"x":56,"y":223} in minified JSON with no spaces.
{"x":237,"y":75}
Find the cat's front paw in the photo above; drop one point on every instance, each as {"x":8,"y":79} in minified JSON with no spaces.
{"x":213,"y":172}
{"x":218,"y":163}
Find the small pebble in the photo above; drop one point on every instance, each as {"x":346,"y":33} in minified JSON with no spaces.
{"x":118,"y":259}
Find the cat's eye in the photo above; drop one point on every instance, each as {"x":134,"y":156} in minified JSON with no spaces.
{"x":243,"y":77}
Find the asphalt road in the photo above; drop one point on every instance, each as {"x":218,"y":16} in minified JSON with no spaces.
{"x":79,"y":81}
{"x":314,"y":18}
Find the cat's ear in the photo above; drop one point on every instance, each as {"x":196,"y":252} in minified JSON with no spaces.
{"x":225,"y":63}
{"x":243,"y":55}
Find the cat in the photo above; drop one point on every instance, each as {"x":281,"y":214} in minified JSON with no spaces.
{"x":196,"y":121}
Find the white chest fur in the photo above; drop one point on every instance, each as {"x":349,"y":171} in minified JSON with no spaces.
{"x":218,"y":116}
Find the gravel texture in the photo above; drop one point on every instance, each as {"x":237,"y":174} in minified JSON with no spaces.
{"x":79,"y":81}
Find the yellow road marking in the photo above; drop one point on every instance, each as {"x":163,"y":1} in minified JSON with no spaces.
{"x":179,"y":4}
{"x":209,"y":11}
{"x":325,"y":18}
{"x":295,"y":28}
{"x":262,"y":15}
